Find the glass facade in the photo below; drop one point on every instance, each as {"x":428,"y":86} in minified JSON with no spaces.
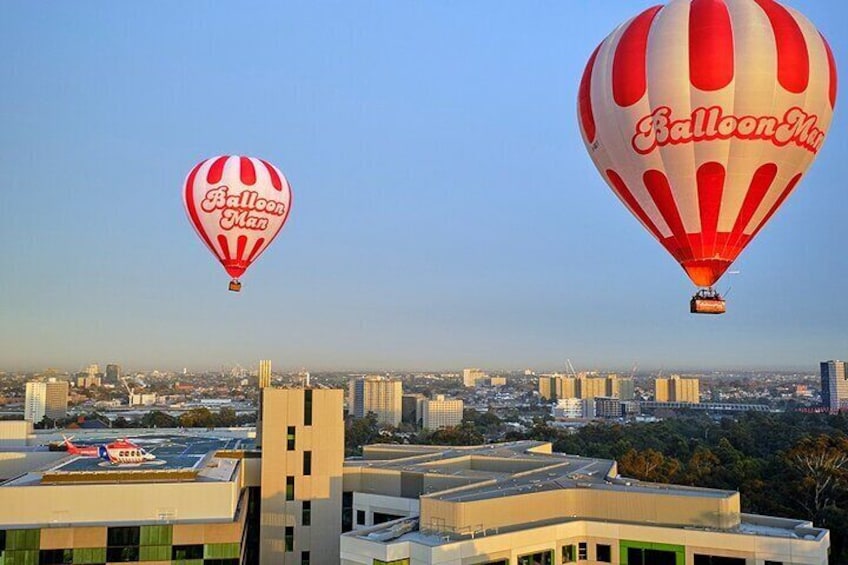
{"x":290,"y":438}
{"x":569,"y":553}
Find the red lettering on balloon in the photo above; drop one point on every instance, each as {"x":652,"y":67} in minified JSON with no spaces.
{"x":659,"y":129}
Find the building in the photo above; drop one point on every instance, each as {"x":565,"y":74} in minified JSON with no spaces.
{"x":441,"y":413}
{"x":569,"y":409}
{"x":677,"y":389}
{"x":58,"y":514}
{"x":411,"y":408}
{"x":87,"y":381}
{"x":608,"y":407}
{"x":143,"y":399}
{"x":382,"y":396}
{"x":48,"y":399}
{"x":497,"y":381}
{"x":470,"y":376}
{"x":520,"y":504}
{"x":264,"y":373}
{"x":113,"y":374}
{"x":834,"y":386}
{"x":584,"y":387}
{"x":302,"y":435}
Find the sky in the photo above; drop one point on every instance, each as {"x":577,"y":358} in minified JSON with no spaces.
{"x":445,"y":213}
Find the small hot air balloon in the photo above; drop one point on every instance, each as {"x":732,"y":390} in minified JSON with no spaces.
{"x":237,"y":205}
{"x":702,"y":116}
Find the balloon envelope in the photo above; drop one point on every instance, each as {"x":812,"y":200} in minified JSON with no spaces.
{"x":237,"y":205}
{"x":702,"y":116}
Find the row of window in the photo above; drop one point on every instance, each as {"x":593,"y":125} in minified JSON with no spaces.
{"x":635,"y":556}
{"x":131,"y":553}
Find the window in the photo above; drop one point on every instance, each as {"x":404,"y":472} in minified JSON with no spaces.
{"x":306,"y":513}
{"x":347,"y":511}
{"x":395,"y":562}
{"x":289,"y":488}
{"x":360,"y":517}
{"x":498,"y":562}
{"x":230,"y":561}
{"x":119,"y":536}
{"x":304,"y":558}
{"x":307,"y":407}
{"x":122,"y":543}
{"x":290,"y":439}
{"x":289,"y":538}
{"x":603,"y":553}
{"x":774,"y":562}
{"x":718,"y":560}
{"x":2,"y":540}
{"x":640,"y":556}
{"x":55,"y":556}
{"x":582,"y":551}
{"x":569,"y":553}
{"x":541,"y":558}
{"x":307,"y":463}
{"x":186,"y":552}
{"x":122,"y":554}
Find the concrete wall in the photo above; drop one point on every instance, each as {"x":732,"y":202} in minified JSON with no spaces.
{"x":324,"y":438}
{"x":131,"y":503}
{"x":617,"y":505}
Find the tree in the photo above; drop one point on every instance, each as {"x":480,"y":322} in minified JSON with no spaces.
{"x":157,"y":419}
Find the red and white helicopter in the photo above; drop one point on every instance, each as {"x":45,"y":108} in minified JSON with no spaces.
{"x":119,"y":452}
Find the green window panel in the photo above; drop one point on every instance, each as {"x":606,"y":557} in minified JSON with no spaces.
{"x":395,"y":562}
{"x":154,"y":553}
{"x":221,"y":550}
{"x":157,"y":535}
{"x":21,"y":557}
{"x":89,"y":555}
{"x":23,"y":539}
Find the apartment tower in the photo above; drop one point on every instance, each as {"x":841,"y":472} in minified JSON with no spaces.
{"x":834,"y":385}
{"x":302,"y":434}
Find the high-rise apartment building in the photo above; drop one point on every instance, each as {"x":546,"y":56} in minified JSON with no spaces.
{"x":677,"y":389}
{"x":584,"y":387}
{"x":441,"y":413}
{"x":264,"y":373}
{"x":302,"y":433}
{"x":46,"y":399}
{"x":834,"y":385}
{"x":113,"y":373}
{"x":470,"y":376}
{"x":382,"y":396}
{"x":411,"y":406}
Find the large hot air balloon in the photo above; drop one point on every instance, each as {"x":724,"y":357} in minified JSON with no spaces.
{"x":702,"y":116}
{"x":237,"y":205}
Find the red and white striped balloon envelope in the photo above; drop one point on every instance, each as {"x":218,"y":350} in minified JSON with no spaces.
{"x":702,"y":116}
{"x":237,"y":205}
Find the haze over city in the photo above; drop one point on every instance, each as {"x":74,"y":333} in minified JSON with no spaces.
{"x":445,"y":211}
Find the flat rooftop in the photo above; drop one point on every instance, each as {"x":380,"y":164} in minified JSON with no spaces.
{"x":179,"y":457}
{"x":506,"y":469}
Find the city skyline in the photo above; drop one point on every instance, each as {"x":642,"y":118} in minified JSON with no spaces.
{"x":445,"y":212}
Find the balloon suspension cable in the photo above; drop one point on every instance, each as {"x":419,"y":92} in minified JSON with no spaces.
{"x":235,"y":285}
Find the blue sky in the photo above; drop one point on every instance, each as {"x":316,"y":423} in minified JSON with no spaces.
{"x":445,"y":211}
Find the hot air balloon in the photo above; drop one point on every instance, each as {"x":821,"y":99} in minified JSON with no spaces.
{"x":237,"y":205}
{"x":702,"y":116}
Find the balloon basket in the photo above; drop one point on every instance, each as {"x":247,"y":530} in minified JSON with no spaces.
{"x":707,"y":301}
{"x":235,"y":286}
